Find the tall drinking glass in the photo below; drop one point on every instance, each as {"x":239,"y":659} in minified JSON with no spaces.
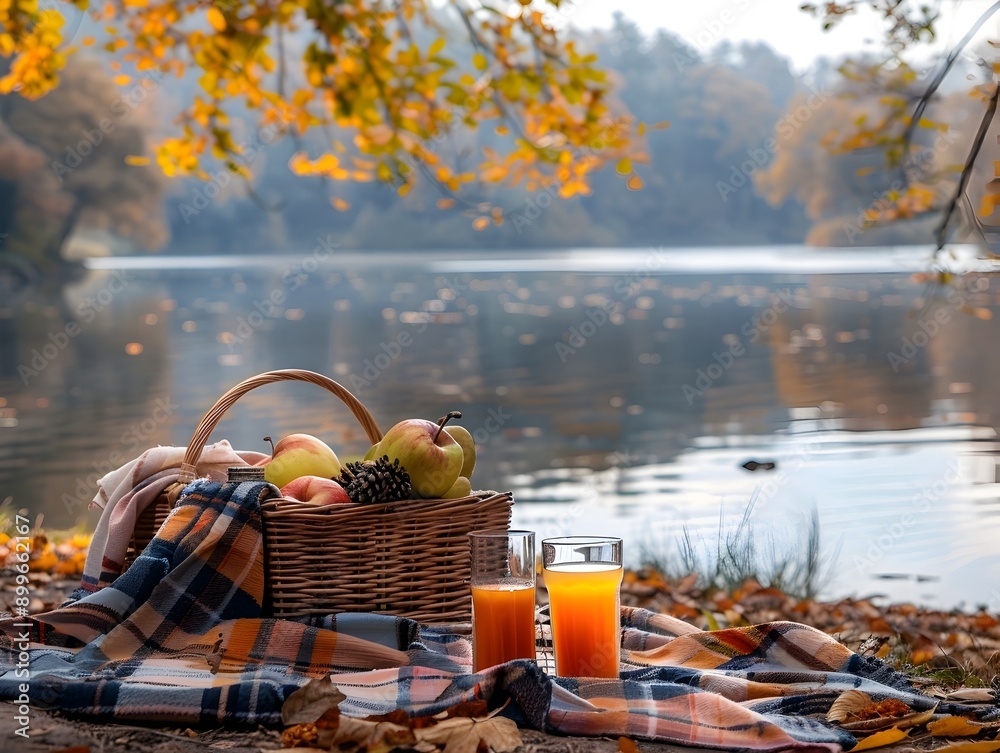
{"x":583,"y":575}
{"x":503,"y":597}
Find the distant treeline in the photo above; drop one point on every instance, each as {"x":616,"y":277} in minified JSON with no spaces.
{"x":745,"y":160}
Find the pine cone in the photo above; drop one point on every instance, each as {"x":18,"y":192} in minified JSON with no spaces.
{"x":374,"y":481}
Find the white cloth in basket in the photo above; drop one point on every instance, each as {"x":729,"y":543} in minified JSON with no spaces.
{"x":125,"y":493}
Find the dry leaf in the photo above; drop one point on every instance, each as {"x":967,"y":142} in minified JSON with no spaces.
{"x":954,"y":726}
{"x":476,"y":709}
{"x":972,"y":695}
{"x":300,"y":736}
{"x":879,"y":739}
{"x":857,"y":712}
{"x":627,"y":745}
{"x":984,"y":747}
{"x":463,"y":735}
{"x":884,"y":722}
{"x":310,"y":702}
{"x":367,"y":734}
{"x":848,"y":704}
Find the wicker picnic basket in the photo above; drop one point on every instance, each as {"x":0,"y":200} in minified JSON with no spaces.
{"x":408,"y":558}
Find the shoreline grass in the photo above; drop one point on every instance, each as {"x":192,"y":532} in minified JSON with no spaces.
{"x":794,"y":566}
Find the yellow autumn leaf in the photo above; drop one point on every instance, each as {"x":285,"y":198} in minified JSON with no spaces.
{"x":445,"y":203}
{"x":122,"y":80}
{"x":662,"y":125}
{"x":216,"y":19}
{"x":436,"y":47}
{"x":624,"y":166}
{"x":479,"y":60}
{"x":480,"y":223}
{"x":137,"y":160}
{"x":634,"y":183}
{"x":641,"y":129}
{"x":954,"y":726}
{"x":339,"y":204}
{"x":883,"y":738}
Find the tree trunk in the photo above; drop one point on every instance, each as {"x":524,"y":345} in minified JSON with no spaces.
{"x":53,"y":249}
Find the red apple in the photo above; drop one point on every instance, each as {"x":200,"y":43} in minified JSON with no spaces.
{"x":315,"y":490}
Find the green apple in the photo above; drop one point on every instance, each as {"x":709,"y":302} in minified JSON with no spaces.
{"x":300,"y":455}
{"x":464,"y":438}
{"x":461,"y":488}
{"x":429,"y":454}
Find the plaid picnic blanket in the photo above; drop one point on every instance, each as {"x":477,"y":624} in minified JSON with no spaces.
{"x":179,"y":638}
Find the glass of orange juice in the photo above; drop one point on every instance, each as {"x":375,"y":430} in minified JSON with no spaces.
{"x":503,"y":597}
{"x":583,"y":575}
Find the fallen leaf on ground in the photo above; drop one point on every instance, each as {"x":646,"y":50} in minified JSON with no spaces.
{"x":983,"y":747}
{"x":310,"y":702}
{"x":915,"y":719}
{"x":848,"y":704}
{"x":954,"y":726}
{"x":972,"y":695}
{"x":463,"y":735}
{"x":471,"y":709}
{"x":627,"y":745}
{"x":855,"y":710}
{"x":885,"y":737}
{"x":367,"y":734}
{"x":299,"y":736}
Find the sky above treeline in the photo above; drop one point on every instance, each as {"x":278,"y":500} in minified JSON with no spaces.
{"x":791,"y":32}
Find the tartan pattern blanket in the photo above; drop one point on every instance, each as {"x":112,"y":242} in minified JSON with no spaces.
{"x":180,"y":638}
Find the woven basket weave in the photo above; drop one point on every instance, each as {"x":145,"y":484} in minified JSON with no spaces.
{"x":408,"y":558}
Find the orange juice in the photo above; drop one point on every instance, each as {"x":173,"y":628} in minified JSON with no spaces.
{"x":586,"y":617}
{"x":503,"y":623}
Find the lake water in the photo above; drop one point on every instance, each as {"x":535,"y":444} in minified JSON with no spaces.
{"x":615,"y":391}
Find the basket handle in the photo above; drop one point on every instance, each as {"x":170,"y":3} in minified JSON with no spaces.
{"x":224,"y":403}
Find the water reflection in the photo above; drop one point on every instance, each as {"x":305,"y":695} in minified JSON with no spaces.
{"x":623,"y":397}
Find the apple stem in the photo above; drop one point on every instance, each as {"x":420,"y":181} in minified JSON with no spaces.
{"x":445,"y":419}
{"x":268,"y":439}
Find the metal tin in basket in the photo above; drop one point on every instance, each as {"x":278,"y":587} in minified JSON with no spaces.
{"x":246,"y":473}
